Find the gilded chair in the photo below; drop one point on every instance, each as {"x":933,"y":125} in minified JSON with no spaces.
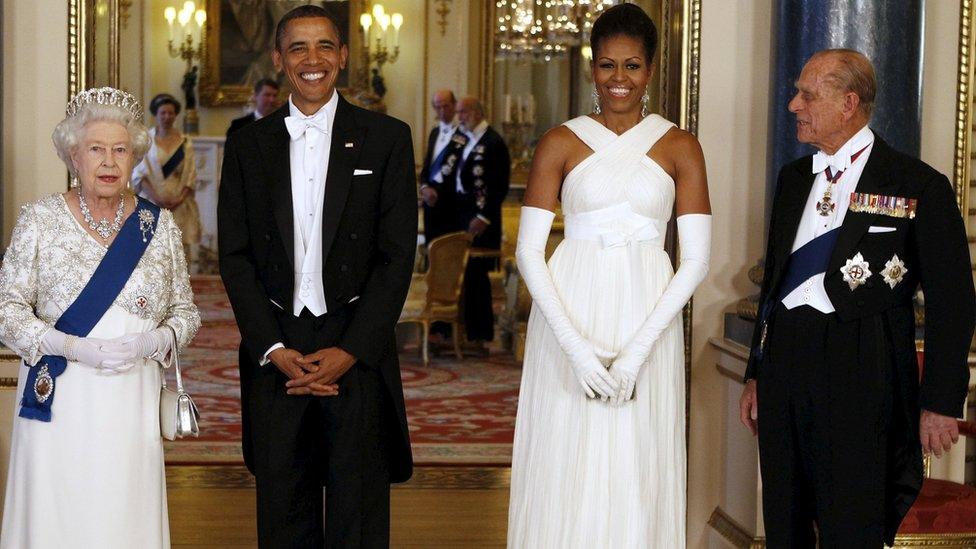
{"x":435,"y":295}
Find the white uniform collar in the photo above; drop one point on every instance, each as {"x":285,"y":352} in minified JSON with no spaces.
{"x":841,"y":160}
{"x":478,"y":132}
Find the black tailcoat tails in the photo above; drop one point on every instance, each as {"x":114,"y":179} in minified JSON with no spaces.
{"x":839,"y":394}
{"x":441,"y":218}
{"x":485,"y":178}
{"x":355,"y":443}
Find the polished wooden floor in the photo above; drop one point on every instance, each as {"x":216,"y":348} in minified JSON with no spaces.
{"x":213,"y":507}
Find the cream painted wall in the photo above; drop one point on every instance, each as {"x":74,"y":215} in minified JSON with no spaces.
{"x":35,"y":91}
{"x":939,"y":68}
{"x":732,"y":130}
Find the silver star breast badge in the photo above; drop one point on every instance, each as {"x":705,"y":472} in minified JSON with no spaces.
{"x":894,"y":271}
{"x":856,"y":271}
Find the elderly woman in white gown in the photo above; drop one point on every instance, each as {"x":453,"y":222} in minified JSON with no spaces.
{"x":94,"y":296}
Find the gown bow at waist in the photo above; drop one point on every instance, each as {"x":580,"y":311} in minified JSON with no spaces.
{"x":615,"y":226}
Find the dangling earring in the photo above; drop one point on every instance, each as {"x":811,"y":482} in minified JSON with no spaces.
{"x":644,"y":101}
{"x":596,"y":101}
{"x":74,"y":181}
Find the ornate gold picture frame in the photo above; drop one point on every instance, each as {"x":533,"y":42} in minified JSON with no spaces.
{"x":225,"y":79}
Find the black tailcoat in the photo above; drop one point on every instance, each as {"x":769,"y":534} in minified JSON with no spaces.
{"x":369,"y":243}
{"x":441,"y":218}
{"x":935,"y":252}
{"x":485,"y":176}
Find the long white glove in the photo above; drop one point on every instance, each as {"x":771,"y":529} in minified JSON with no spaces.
{"x":89,"y":351}
{"x":694,"y":240}
{"x":155,"y":344}
{"x":534,"y":226}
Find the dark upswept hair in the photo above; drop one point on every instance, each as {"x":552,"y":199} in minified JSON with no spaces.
{"x":625,"y":20}
{"x":164,"y":99}
{"x":301,"y":12}
{"x":260,"y":84}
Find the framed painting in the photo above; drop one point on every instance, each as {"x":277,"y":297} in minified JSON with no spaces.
{"x":239,"y":39}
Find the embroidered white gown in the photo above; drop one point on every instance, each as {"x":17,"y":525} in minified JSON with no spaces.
{"x":586,"y":474}
{"x":93,"y":476}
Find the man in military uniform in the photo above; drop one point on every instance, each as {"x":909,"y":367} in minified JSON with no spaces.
{"x":832,"y":384}
{"x":438,"y":199}
{"x":480,"y":175}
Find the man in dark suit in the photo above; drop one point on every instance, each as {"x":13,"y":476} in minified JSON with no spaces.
{"x":832,"y":384}
{"x":265,"y":100}
{"x":437,"y":198}
{"x":317,"y":221}
{"x":480,"y":175}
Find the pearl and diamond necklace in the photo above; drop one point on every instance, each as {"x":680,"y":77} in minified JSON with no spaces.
{"x":103,"y":228}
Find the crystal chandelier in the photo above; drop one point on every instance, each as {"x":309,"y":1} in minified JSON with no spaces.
{"x":543,"y":29}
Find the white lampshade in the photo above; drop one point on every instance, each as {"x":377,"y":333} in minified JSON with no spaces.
{"x":384,"y":22}
{"x":378,"y":12}
{"x":365,"y":21}
{"x":201,"y":17}
{"x":170,"y":14}
{"x":397,"y":20}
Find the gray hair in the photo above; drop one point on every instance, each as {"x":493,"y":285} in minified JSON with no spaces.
{"x":853,"y":72}
{"x":68,"y":133}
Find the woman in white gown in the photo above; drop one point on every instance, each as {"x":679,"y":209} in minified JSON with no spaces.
{"x":599,"y":456}
{"x":94,"y":294}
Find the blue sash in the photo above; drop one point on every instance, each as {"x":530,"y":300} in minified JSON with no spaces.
{"x":98,"y":295}
{"x":438,"y":164}
{"x":174,"y":161}
{"x":809,"y":260}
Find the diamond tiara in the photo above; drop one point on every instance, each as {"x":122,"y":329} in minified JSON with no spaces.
{"x":105,"y":96}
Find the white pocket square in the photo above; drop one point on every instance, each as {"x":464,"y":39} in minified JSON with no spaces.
{"x":880,"y":229}
{"x":362,"y":172}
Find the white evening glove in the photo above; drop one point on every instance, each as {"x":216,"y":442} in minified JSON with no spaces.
{"x":534,"y":226}
{"x":694,"y":240}
{"x":155,"y":344}
{"x":89,"y":351}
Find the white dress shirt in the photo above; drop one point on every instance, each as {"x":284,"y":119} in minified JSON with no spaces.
{"x":309,"y":162}
{"x":812,"y":224}
{"x":444,"y":134}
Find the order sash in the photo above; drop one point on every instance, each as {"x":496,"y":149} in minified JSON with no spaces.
{"x":174,"y":160}
{"x":438,"y":164}
{"x":94,"y":300}
{"x":808,"y":260}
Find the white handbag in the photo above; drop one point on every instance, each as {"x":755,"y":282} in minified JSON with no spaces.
{"x":178,"y":415}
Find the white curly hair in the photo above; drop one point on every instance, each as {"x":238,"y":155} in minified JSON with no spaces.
{"x":70,"y":131}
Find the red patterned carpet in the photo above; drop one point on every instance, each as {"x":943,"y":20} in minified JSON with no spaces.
{"x":459,"y":412}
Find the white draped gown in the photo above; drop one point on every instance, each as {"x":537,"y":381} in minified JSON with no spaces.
{"x":93,"y":476}
{"x":586,"y":474}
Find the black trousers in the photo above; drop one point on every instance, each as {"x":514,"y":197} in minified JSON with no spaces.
{"x":479,"y":318}
{"x":304,"y":443}
{"x":824,"y":413}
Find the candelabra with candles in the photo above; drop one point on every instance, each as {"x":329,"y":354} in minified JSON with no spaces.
{"x":190,"y":48}
{"x":518,"y":127}
{"x":385,"y":50}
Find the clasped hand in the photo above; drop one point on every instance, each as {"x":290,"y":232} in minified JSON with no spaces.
{"x":316,"y":374}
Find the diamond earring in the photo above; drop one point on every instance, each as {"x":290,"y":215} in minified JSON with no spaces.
{"x":74,"y":181}
{"x":596,"y":102}
{"x":644,"y":101}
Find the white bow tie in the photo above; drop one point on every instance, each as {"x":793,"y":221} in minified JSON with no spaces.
{"x":837,"y":162}
{"x":298,"y":126}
